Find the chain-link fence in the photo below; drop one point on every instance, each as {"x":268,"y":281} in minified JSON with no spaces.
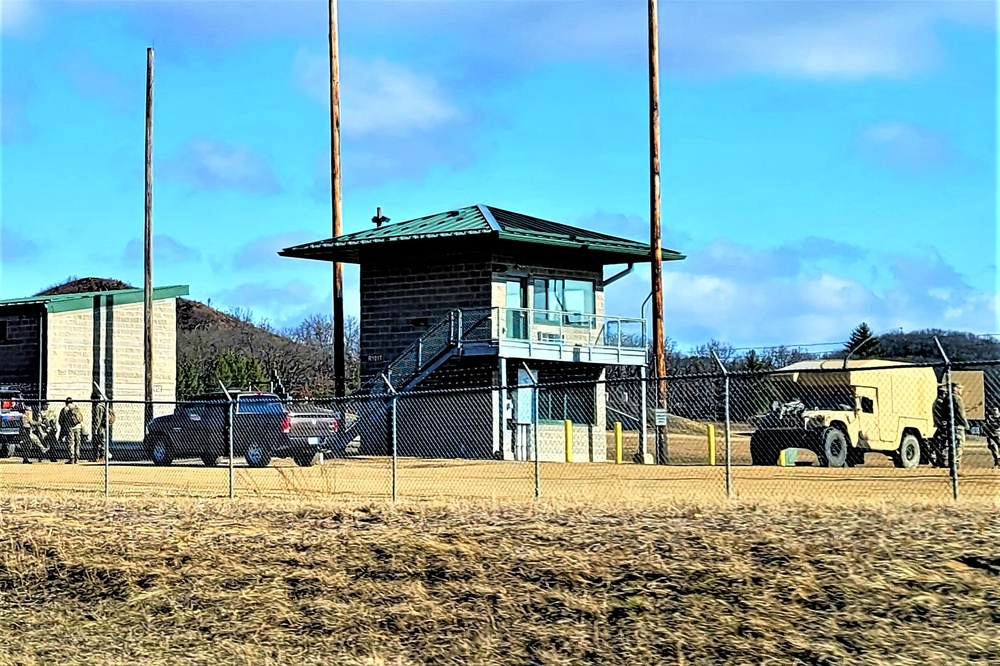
{"x":829,"y":430}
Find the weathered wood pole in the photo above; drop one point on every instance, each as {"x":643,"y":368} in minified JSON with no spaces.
{"x":339,"y":360}
{"x":655,"y":232}
{"x":147,"y":256}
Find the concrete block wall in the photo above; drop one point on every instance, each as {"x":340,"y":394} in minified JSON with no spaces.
{"x":20,"y":352}
{"x":396,"y":296}
{"x":72,"y":370}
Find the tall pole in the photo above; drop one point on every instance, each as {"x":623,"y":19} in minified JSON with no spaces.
{"x":339,"y":362}
{"x":656,"y":272}
{"x":148,"y":242}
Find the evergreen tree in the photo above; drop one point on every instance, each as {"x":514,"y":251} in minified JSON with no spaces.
{"x":863,"y":343}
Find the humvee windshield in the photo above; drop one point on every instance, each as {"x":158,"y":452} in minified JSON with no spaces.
{"x":839,"y":398}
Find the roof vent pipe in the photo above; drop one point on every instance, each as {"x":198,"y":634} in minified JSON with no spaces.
{"x":379,"y":218}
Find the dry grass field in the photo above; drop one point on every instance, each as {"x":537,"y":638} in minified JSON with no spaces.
{"x":688,"y":479}
{"x":84,"y":581}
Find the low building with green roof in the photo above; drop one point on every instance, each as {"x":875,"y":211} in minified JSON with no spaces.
{"x":483,"y":297}
{"x":57,"y":346}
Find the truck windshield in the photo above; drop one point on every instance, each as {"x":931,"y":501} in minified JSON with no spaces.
{"x":814,"y":397}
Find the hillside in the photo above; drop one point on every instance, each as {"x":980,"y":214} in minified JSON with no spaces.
{"x":214,"y":346}
{"x":191,"y":315}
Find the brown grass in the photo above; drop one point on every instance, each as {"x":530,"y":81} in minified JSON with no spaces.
{"x":167,"y":582}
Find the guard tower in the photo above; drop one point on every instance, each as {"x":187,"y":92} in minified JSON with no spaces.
{"x":482,"y":298}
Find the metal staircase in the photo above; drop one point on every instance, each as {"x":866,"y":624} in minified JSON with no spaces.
{"x":441,"y":342}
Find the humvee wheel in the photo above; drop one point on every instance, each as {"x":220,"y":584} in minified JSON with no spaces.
{"x":908,"y":454}
{"x":833,"y":448}
{"x":761,"y":451}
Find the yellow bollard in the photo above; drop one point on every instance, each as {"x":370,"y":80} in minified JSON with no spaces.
{"x":618,"y":443}
{"x":569,"y":440}
{"x":711,"y":444}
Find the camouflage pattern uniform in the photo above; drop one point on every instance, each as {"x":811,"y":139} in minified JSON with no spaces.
{"x":991,"y":428}
{"x":45,"y":428}
{"x":71,"y":430}
{"x":941,"y":440}
{"x":31,"y":445}
{"x":100,"y":419}
{"x":942,"y":422}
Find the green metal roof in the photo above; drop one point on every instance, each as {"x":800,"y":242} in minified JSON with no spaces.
{"x":488,"y":222}
{"x":85,"y":300}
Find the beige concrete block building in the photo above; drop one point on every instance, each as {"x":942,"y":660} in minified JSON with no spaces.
{"x":54,"y":347}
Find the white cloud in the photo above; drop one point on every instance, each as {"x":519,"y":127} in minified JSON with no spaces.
{"x":906,"y":147}
{"x":812,"y":39}
{"x":377,"y":96}
{"x":709,"y":296}
{"x":212,"y":165}
{"x":17,"y":15}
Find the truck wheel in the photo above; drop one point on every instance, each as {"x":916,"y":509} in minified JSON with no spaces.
{"x":908,"y":454}
{"x":209,"y":459}
{"x":9,"y":449}
{"x":257,"y":455}
{"x":160,"y":452}
{"x":762,"y":452}
{"x":833,"y":451}
{"x":304,"y":458}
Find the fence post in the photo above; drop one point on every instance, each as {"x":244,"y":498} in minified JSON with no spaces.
{"x":229,"y":438}
{"x":618,"y":442}
{"x":107,"y":446}
{"x":728,"y":426}
{"x":392,"y":433}
{"x":953,"y":443}
{"x":534,"y":430}
{"x":107,"y":435}
{"x":640,"y":453}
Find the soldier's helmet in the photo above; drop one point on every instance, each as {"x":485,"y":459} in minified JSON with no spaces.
{"x":69,"y":401}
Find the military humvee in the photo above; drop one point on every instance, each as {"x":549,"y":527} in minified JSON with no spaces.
{"x":843,"y":411}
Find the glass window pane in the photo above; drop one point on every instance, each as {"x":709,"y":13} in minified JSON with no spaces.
{"x":540,"y":293}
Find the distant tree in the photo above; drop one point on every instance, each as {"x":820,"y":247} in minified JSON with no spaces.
{"x":189,"y":382}
{"x":863,"y":343}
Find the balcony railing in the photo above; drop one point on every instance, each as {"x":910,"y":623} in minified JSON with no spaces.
{"x":569,"y":328}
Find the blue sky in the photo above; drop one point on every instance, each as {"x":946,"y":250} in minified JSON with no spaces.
{"x":823,"y":162}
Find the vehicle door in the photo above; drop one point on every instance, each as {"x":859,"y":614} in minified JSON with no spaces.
{"x":212,"y":429}
{"x":868,"y":415}
{"x":189,"y":428}
{"x":259,"y":419}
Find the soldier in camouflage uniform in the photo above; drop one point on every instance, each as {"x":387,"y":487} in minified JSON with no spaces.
{"x":941,"y":439}
{"x":991,"y":428}
{"x":943,"y":408}
{"x":71,"y":430}
{"x":31,"y":445}
{"x":101,"y":418}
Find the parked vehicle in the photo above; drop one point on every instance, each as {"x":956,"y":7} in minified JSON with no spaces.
{"x":263,"y":428}
{"x":843,"y":411}
{"x":11,"y":422}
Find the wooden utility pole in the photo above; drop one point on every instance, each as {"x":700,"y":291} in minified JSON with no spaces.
{"x":148,"y":242}
{"x":339,"y":362}
{"x":655,"y":232}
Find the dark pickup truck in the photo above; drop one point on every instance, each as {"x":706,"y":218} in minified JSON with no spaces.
{"x":263,"y":428}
